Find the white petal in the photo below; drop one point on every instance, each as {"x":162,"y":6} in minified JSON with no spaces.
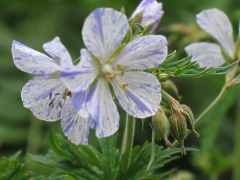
{"x":217,"y":24}
{"x":152,"y":12}
{"x":32,"y":61}
{"x":144,"y":52}
{"x":85,"y":75}
{"x":138,"y":93}
{"x":103,"y":31}
{"x":44,"y":97}
{"x":205,"y":54}
{"x":100,"y":105}
{"x":58,"y":52}
{"x":75,"y":127}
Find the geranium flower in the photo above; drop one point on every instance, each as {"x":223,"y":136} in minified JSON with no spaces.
{"x":217,"y":24}
{"x":107,"y":64}
{"x":150,"y":12}
{"x":46,"y":95}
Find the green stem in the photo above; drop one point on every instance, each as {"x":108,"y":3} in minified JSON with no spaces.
{"x":35,"y":136}
{"x":125,"y":136}
{"x":128,"y":135}
{"x":131,"y":141}
{"x":213,"y":103}
{"x":236,"y":172}
{"x":133,"y":132}
{"x":152,"y":152}
{"x":168,"y":97}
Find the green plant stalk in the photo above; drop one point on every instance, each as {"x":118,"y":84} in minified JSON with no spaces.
{"x":35,"y":136}
{"x":212,"y":104}
{"x":236,"y":171}
{"x":152,"y":157}
{"x":131,"y":140}
{"x":128,"y":135}
{"x":167,"y":97}
{"x":133,"y":133}
{"x":125,"y":136}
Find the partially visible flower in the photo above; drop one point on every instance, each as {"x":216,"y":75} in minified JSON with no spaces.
{"x":217,"y":24}
{"x":46,"y":95}
{"x":138,"y":92}
{"x":149,"y":13}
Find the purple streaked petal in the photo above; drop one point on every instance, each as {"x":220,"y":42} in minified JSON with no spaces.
{"x":103,"y":32}
{"x":207,"y":55}
{"x":79,"y":78}
{"x":100,"y":106}
{"x":138,"y":93}
{"x":217,"y":24}
{"x":44,"y":97}
{"x":141,"y":7}
{"x":72,"y":73}
{"x":82,"y":98}
{"x":136,"y":100}
{"x":59,"y":53}
{"x":144,"y":52}
{"x":103,"y":110}
{"x":32,"y":61}
{"x":75,"y":127}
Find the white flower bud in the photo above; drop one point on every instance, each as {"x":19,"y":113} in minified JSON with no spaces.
{"x":151,"y":13}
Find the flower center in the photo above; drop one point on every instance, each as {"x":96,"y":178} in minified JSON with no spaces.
{"x":108,"y":71}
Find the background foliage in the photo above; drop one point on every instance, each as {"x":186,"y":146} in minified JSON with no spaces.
{"x":35,"y":22}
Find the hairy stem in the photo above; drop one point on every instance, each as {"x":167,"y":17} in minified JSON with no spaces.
{"x":212,"y":104}
{"x":152,"y":152}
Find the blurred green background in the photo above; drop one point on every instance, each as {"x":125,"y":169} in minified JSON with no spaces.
{"x":35,"y":22}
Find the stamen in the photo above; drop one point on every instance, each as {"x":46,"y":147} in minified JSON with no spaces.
{"x":123,"y":84}
{"x":66,"y":94}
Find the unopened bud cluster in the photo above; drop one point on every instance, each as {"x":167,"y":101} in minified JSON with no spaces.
{"x":176,"y":123}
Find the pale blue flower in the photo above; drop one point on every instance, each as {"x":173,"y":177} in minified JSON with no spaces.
{"x":46,"y":94}
{"x":217,"y":24}
{"x":151,"y":12}
{"x":106,"y":66}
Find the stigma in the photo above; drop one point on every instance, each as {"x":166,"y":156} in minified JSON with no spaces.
{"x":108,"y":72}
